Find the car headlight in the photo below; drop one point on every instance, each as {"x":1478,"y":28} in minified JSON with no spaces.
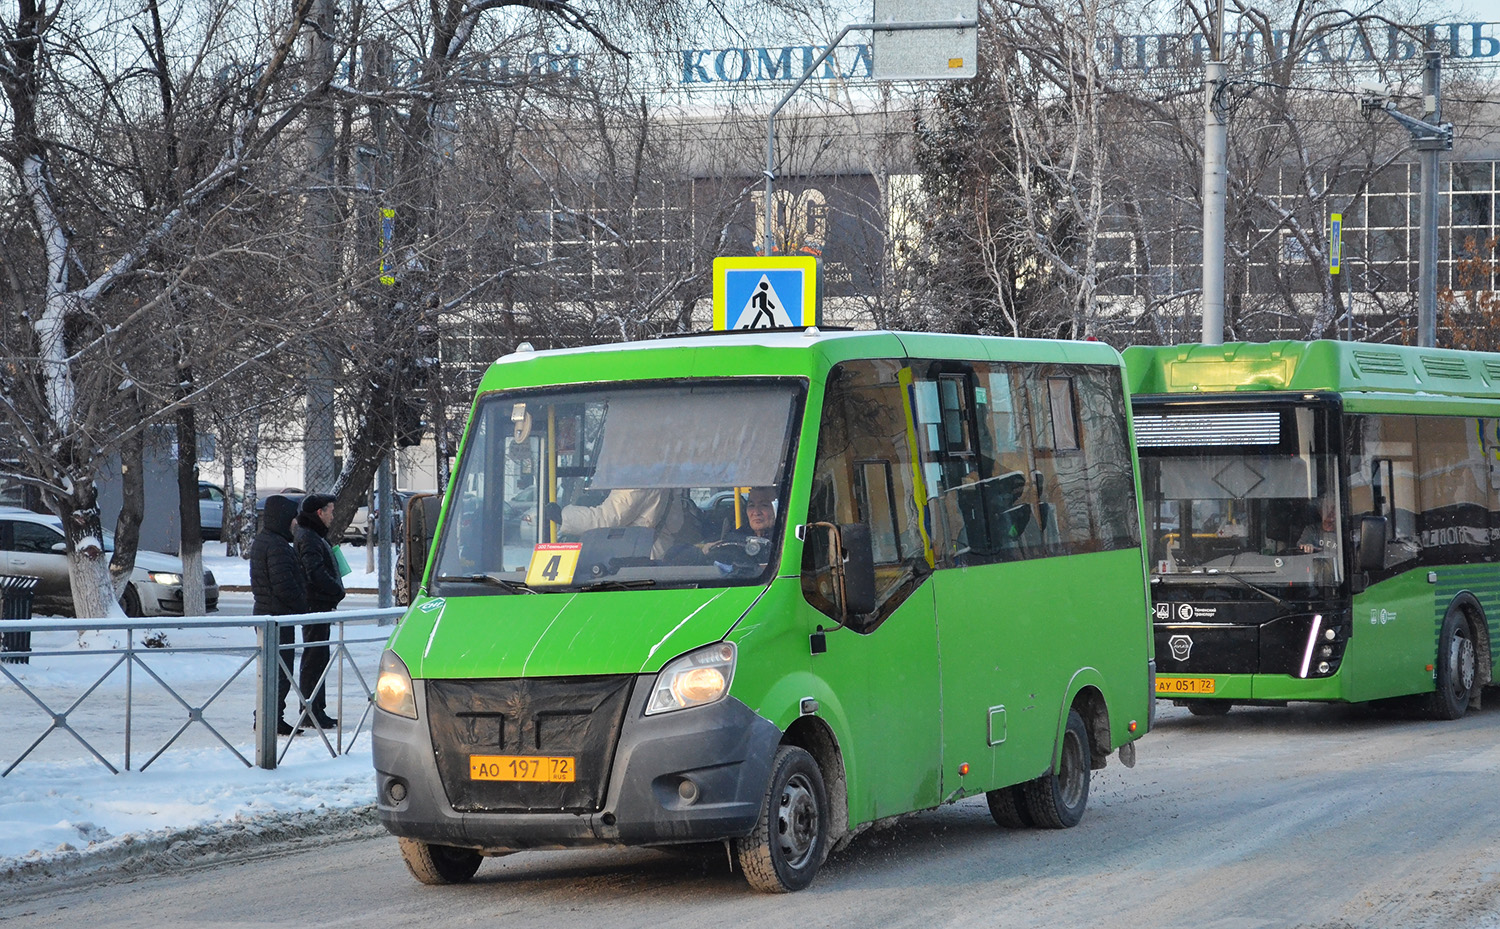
{"x":393,"y":691}
{"x":695,"y":679}
{"x":163,"y":577}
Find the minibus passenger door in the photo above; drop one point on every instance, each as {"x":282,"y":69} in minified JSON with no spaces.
{"x":882,"y":668}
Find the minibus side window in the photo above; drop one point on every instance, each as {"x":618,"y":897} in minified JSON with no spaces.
{"x":864,"y":474}
{"x":1045,"y":468}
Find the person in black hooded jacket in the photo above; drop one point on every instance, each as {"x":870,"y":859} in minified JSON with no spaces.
{"x":278,"y":582}
{"x":325,"y":588}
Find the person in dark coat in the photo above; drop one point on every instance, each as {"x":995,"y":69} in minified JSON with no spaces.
{"x":278,"y":582}
{"x":325,"y":588}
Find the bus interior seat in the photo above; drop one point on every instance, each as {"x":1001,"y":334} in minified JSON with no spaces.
{"x":986,"y":508}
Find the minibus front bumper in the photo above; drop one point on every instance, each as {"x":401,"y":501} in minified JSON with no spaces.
{"x":692,"y":775}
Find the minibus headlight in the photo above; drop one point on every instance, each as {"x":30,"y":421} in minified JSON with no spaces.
{"x":697,"y":678}
{"x":393,"y":691}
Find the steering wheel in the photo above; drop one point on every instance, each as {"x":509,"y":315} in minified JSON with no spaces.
{"x":750,"y":551}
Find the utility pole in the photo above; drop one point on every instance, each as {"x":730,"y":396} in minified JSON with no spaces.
{"x":1429,"y":136}
{"x":1215,"y":184}
{"x":318,"y":432}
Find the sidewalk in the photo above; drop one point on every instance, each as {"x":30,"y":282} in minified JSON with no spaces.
{"x":62,"y":811}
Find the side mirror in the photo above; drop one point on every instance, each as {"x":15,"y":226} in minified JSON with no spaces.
{"x":844,"y":555}
{"x":1371,"y":542}
{"x":59,"y":548}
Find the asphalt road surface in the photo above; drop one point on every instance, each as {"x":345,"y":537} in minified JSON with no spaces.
{"x":1305,"y":816}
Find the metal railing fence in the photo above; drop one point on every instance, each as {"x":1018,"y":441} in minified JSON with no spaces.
{"x":355,"y":637}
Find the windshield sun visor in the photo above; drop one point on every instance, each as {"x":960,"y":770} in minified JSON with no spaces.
{"x":702,"y":437}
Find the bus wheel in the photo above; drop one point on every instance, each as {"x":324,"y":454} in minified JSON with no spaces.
{"x":1008,"y":807}
{"x":790,"y":838}
{"x":439,"y":864}
{"x":1057,"y":800}
{"x":1208,"y":707}
{"x":1455,"y":668}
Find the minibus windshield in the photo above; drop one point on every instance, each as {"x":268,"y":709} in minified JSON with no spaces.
{"x":619,"y":487}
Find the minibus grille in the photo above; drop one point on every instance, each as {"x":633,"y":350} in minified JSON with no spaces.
{"x":540,"y":722}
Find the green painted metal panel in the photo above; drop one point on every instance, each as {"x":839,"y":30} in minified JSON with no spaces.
{"x":1345,"y":367}
{"x":1018,"y":635}
{"x":548,"y":635}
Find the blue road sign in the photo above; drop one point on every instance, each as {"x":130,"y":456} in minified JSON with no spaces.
{"x":760,"y":293}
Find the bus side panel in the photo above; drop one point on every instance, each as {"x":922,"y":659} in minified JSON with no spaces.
{"x":1013,"y":636}
{"x":1482,"y":581}
{"x":1394,"y":637}
{"x":883,"y":692}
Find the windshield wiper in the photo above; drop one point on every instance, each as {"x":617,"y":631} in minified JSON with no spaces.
{"x":1220,"y":572}
{"x":515,"y":587}
{"x":636,"y":584}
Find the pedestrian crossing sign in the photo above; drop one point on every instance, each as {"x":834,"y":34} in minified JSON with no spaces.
{"x":766,"y":293}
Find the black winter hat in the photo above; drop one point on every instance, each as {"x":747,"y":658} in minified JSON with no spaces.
{"x":312,"y":503}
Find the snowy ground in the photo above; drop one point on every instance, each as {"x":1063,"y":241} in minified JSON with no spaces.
{"x":62,"y":811}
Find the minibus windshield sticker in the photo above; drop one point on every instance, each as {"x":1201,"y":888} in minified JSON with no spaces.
{"x":553,"y":563}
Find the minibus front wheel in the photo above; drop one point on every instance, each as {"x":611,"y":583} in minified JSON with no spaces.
{"x":790,"y":839}
{"x":439,"y":864}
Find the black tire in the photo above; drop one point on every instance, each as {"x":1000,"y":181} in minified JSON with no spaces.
{"x":439,"y":864}
{"x":1454,"y":668}
{"x":1208,"y":707}
{"x":131,"y":602}
{"x":1008,"y":807}
{"x":790,"y":839}
{"x":1057,"y":800}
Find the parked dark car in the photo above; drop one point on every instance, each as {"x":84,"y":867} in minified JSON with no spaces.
{"x":32,"y":544}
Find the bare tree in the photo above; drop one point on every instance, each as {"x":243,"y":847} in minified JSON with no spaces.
{"x":92,"y":138}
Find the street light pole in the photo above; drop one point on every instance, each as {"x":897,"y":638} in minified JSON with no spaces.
{"x":1429,"y":136}
{"x":1215,"y":185}
{"x":1432,"y":76}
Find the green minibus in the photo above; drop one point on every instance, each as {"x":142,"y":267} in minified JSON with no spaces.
{"x":769,"y":589}
{"x":1323,"y":521}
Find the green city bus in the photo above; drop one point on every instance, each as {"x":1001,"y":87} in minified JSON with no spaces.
{"x":1322,"y":520}
{"x":769,"y":589}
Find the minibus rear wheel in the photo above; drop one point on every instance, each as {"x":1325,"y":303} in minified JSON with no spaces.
{"x":1057,"y":800}
{"x":439,"y":864}
{"x":790,"y":839}
{"x":1008,"y":807}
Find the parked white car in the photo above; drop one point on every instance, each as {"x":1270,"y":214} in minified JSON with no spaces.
{"x":32,"y":544}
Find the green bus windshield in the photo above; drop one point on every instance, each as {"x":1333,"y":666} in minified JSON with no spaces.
{"x":1249,"y":493}
{"x":619,"y":486}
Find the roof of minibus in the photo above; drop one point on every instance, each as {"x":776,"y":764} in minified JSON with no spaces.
{"x":1346,"y":367}
{"x":780,"y":353}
